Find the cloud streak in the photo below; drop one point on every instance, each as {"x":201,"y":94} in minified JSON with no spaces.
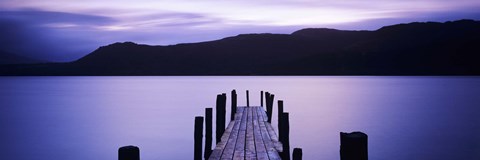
{"x":66,"y":30}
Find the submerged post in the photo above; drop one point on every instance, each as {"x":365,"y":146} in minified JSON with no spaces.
{"x":197,"y":149}
{"x":261,"y":98}
{"x":353,"y":146}
{"x":220,"y":107}
{"x":297,"y":154}
{"x":129,"y":153}
{"x":234,"y":105}
{"x":208,"y":133}
{"x":284,"y":135}
{"x":248,"y":100}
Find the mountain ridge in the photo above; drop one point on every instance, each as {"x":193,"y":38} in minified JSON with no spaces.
{"x":419,"y":48}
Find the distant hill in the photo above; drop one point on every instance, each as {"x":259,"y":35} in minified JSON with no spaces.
{"x":9,"y":58}
{"x":450,"y":48}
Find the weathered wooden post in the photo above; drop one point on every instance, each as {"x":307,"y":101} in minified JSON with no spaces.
{"x":248,"y":100}
{"x":234,"y":105}
{"x":261,"y":98}
{"x":208,"y":132}
{"x":284,"y":135}
{"x":297,"y":154}
{"x":198,"y":138}
{"x":270,"y":108}
{"x":220,"y":109}
{"x":353,"y":146}
{"x":129,"y":153}
{"x":267,"y":96}
{"x":280,"y":109}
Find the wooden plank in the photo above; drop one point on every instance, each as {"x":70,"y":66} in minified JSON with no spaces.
{"x":259,"y":145}
{"x":273,"y":136}
{"x":232,"y":139}
{"x":263,"y":114}
{"x":248,"y":136}
{"x":250,"y":140}
{"x":271,"y":151}
{"x":240,"y":145}
{"x":217,"y":152}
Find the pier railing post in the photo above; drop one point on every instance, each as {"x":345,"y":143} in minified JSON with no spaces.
{"x":280,"y":111}
{"x":261,"y":98}
{"x":248,"y":100}
{"x":297,"y":154}
{"x":353,"y":146}
{"x":284,"y":135}
{"x":234,"y":105}
{"x":270,"y":107}
{"x":129,"y":153}
{"x":208,"y":132}
{"x":220,"y":109}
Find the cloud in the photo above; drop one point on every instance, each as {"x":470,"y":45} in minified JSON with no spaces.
{"x":36,"y":34}
{"x":66,"y":30}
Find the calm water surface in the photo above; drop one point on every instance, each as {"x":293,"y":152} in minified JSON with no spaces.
{"x":88,"y":118}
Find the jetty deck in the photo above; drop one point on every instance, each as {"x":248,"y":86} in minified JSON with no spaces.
{"x":248,"y":136}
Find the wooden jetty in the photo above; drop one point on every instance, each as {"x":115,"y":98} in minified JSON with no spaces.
{"x":248,"y":136}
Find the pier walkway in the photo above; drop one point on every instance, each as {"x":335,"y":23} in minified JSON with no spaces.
{"x":248,"y":136}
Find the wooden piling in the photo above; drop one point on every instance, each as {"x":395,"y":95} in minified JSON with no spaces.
{"x":208,"y":132}
{"x":261,"y":98}
{"x":198,"y":138}
{"x":129,"y":153}
{"x":270,"y":107}
{"x":267,"y":104}
{"x":284,"y":135}
{"x":280,"y":108}
{"x":234,"y":105}
{"x":248,"y":100}
{"x":297,"y":154}
{"x":220,"y":109}
{"x":353,"y":146}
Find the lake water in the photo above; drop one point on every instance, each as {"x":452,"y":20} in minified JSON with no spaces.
{"x":88,"y":118}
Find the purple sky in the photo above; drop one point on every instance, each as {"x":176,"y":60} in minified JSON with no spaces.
{"x":64,"y":30}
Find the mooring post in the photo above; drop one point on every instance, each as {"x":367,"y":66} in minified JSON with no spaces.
{"x":234,"y":105}
{"x":270,"y":108}
{"x":284,"y":135}
{"x":353,"y":146}
{"x":198,"y":138}
{"x":267,"y":97}
{"x":297,"y":154}
{"x":261,"y":98}
{"x":280,"y":109}
{"x":248,"y":100}
{"x":220,"y":116}
{"x":208,"y":133}
{"x":129,"y":153}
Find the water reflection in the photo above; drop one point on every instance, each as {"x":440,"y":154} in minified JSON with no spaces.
{"x":90,"y":117}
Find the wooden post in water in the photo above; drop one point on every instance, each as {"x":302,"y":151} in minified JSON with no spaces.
{"x":234,"y":105}
{"x":284,"y":135}
{"x":248,"y":100}
{"x":267,"y":104}
{"x":297,"y":154}
{"x":129,"y":153}
{"x":353,"y":146}
{"x":220,"y":107}
{"x":208,"y":132}
{"x":270,"y":107}
{"x":261,"y":98}
{"x":197,"y":149}
{"x":280,"y":110}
